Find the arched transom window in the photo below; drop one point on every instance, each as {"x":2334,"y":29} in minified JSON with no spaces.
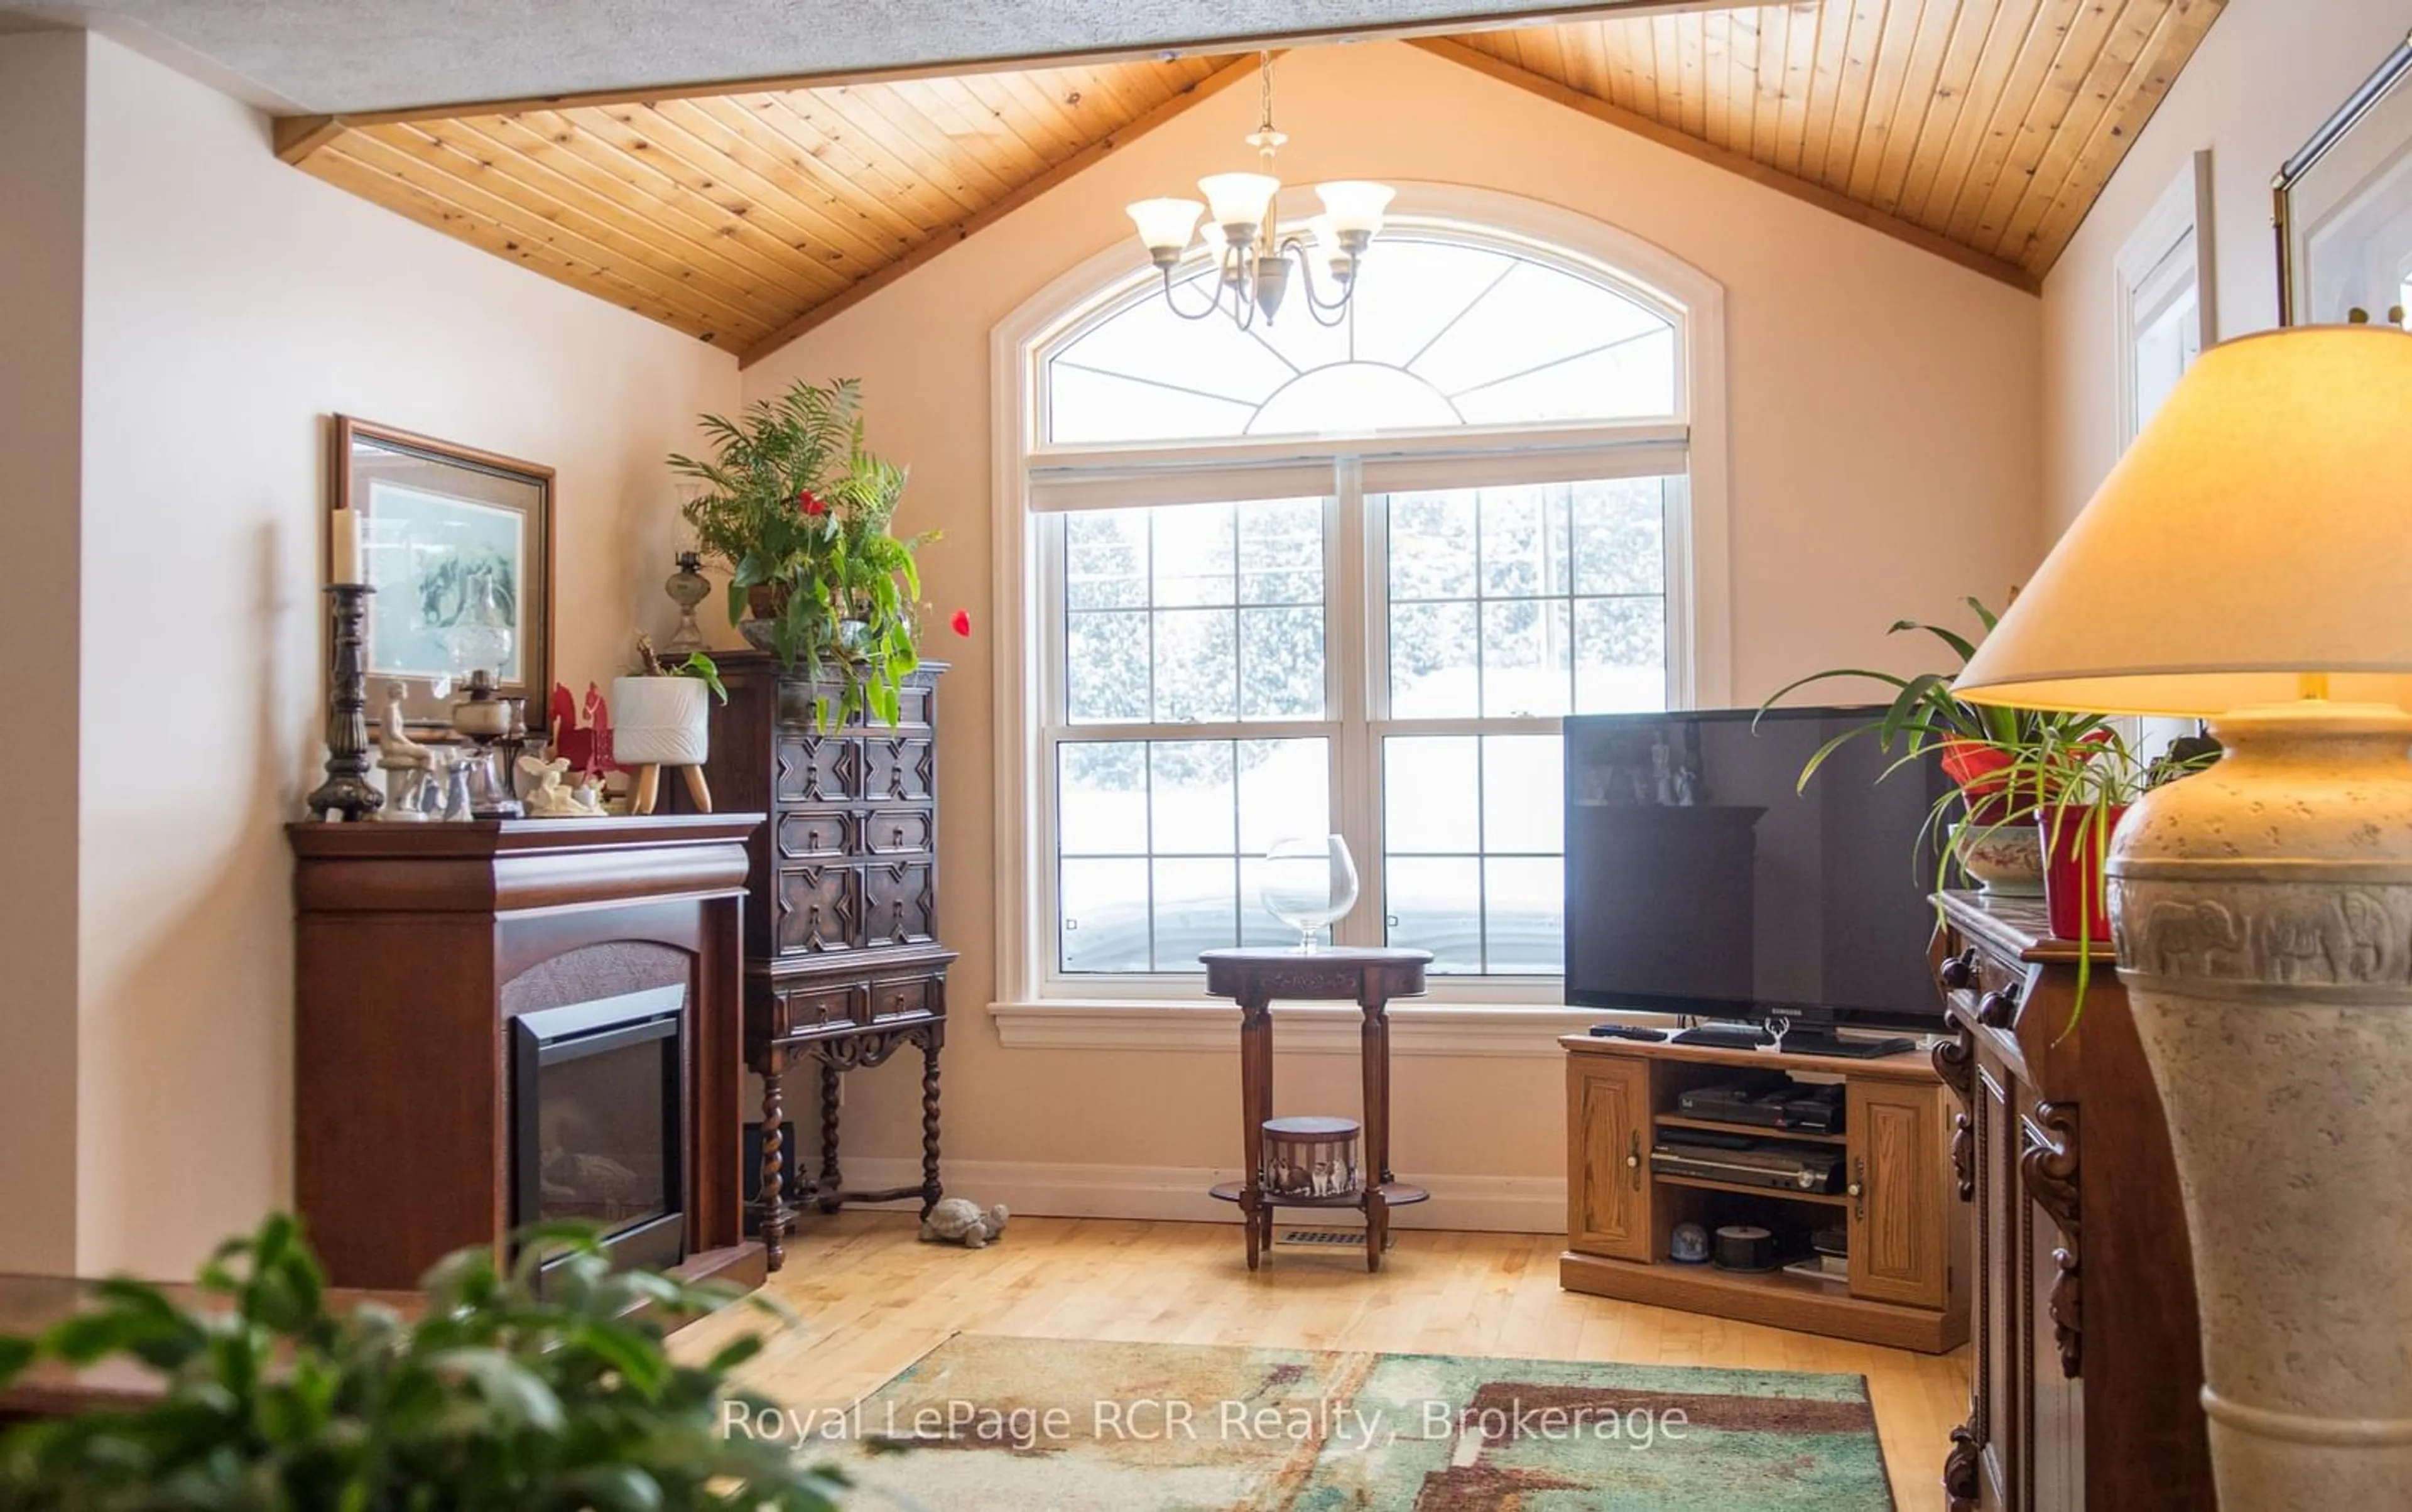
{"x":1442,"y":334}
{"x":1291,"y":580}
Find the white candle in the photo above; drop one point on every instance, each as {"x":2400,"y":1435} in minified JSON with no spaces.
{"x":343,"y":547}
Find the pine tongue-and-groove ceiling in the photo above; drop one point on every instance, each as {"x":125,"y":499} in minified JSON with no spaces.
{"x":1980,"y":130}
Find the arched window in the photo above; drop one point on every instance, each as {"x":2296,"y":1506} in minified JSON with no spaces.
{"x":1442,"y":334}
{"x":1291,"y":578}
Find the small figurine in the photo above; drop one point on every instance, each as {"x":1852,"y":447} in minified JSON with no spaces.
{"x":405,"y":762}
{"x":454,"y":776}
{"x":960,"y":1221}
{"x":547,"y":798}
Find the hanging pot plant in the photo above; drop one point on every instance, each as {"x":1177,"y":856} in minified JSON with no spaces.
{"x":799,"y":513}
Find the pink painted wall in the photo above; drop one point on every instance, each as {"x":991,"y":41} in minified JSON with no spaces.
{"x":230,"y":302}
{"x":1883,"y":414}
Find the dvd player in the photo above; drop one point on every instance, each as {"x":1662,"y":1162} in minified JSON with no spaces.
{"x":1767,"y":1102}
{"x":1778,"y":1167}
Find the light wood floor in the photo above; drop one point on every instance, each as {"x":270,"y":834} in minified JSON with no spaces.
{"x":871,"y":1300}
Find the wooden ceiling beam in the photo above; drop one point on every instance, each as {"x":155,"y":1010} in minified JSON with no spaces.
{"x":962,"y":230}
{"x":1733,"y":162}
{"x":298,"y":136}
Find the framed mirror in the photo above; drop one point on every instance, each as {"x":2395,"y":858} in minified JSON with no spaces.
{"x":2345,"y":209}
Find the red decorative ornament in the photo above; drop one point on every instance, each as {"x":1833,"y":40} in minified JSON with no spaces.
{"x":962,"y":622}
{"x":809,"y":503}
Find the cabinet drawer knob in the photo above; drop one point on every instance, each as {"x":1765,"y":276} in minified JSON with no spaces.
{"x":1633,"y":1159}
{"x":1858,"y":1189}
{"x":1960,"y":972}
{"x":1998,"y":1009}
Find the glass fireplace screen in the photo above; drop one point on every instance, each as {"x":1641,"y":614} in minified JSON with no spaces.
{"x":596,"y":1119}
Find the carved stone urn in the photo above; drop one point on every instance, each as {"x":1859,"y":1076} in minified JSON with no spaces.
{"x":2263,"y":914}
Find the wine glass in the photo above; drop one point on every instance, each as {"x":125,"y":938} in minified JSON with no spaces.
{"x":1308,"y":883}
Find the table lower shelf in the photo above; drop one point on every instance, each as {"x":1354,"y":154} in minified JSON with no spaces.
{"x":1395,"y":1195}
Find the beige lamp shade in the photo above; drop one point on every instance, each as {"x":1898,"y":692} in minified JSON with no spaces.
{"x":2253,"y":547}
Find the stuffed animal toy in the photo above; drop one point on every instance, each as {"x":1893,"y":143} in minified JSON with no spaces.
{"x":957,"y":1220}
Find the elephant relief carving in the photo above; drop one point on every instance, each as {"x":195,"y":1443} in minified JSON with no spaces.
{"x":2340,"y":937}
{"x":2201,"y":938}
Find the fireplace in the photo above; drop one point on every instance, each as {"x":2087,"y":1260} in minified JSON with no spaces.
{"x":596,"y":1113}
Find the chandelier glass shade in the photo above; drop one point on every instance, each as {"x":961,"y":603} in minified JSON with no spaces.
{"x":1255,"y":264}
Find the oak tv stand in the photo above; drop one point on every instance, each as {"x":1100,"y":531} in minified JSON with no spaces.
{"x":1908,"y":1280}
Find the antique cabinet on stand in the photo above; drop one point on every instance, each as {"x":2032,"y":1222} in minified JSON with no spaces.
{"x":842,"y":965}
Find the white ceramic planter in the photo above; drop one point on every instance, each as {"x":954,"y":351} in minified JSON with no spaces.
{"x":660,"y":720}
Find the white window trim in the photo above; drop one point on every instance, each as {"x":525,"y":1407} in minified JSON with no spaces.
{"x":1697,"y":566}
{"x":2183,"y":210}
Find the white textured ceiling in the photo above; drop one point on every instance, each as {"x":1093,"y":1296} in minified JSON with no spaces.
{"x":323,"y":56}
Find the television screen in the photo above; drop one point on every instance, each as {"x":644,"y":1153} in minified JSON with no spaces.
{"x":1703,"y":879}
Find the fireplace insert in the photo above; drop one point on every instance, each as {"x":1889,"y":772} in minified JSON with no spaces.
{"x":598,"y":1109}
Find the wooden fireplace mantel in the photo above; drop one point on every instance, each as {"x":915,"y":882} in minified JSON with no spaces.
{"x":415,"y":944}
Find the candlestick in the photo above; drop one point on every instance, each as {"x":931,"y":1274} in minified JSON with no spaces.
{"x":343,"y":547}
{"x":348,"y":790}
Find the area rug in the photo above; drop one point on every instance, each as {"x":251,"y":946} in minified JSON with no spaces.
{"x":990,"y":1423}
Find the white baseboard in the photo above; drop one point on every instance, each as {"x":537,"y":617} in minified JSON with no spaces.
{"x":1497,"y":1204}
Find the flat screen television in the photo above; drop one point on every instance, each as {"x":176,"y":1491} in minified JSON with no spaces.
{"x":1701,"y":880}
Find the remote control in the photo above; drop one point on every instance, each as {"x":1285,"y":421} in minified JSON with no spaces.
{"x":1625,"y":1031}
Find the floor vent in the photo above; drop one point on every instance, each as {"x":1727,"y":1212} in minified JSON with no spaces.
{"x":1329,"y":1239}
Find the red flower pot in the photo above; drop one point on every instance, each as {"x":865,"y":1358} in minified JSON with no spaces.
{"x":2076,"y":842}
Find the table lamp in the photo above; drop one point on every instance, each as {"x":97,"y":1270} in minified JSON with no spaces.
{"x":2250,"y":560}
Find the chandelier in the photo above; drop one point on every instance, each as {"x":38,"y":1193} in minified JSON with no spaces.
{"x":1255,"y":267}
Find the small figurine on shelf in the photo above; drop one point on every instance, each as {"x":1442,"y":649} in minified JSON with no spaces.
{"x":588,"y":749}
{"x":548,"y":799}
{"x":405,"y":762}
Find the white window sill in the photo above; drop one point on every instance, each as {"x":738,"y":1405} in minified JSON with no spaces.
{"x":1417,"y":1028}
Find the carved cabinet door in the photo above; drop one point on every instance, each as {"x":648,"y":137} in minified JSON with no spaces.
{"x":1899,"y":1248}
{"x":1608,"y":1122}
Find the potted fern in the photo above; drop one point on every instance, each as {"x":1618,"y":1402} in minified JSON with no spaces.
{"x":798,"y":512}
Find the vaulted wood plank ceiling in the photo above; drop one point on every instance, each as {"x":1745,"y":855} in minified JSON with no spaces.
{"x":1979,"y":129}
{"x":1992,"y":123}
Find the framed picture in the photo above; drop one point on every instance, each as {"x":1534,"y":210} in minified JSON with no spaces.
{"x":2345,"y":209}
{"x":458,"y":544}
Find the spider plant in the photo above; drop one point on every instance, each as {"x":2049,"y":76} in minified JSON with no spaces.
{"x":1979,"y":748}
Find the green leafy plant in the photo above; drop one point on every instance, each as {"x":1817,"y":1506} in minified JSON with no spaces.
{"x":697,"y":665}
{"x":1977,"y":746}
{"x":495,"y":1398}
{"x":800,"y":513}
{"x":2071,"y":774}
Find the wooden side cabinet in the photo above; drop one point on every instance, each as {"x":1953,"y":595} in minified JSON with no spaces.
{"x":2086,"y":1384}
{"x":1908,"y":1271}
{"x":1608,"y":1128}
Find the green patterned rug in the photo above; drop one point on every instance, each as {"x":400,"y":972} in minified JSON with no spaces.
{"x":982,"y":1424}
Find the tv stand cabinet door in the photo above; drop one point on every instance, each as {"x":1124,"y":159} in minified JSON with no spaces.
{"x":1608,"y":1122}
{"x":1899,"y":1247}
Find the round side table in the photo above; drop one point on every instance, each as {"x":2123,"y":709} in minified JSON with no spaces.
{"x":1370,"y":979}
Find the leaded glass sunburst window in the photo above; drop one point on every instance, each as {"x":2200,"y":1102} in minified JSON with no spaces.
{"x":1443,"y":334}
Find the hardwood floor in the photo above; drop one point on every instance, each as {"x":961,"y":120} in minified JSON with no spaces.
{"x":871,"y":1300}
